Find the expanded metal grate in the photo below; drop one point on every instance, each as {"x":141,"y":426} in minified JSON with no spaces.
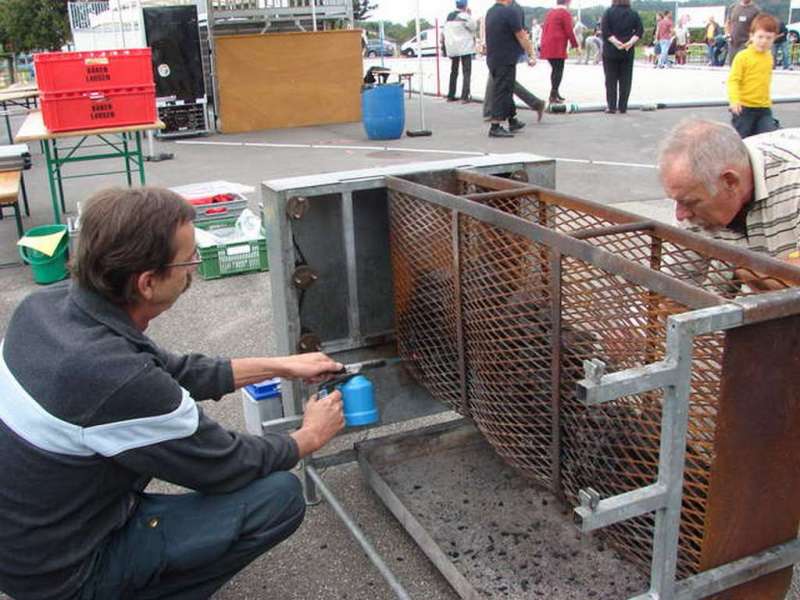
{"x":498,"y":326}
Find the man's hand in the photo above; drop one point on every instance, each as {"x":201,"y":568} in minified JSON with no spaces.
{"x":313,"y":367}
{"x":531,"y":61}
{"x":323,"y":419}
{"x":736,"y":108}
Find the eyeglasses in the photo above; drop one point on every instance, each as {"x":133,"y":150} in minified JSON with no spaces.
{"x":196,"y":260}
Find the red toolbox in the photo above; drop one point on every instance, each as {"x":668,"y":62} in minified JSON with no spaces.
{"x":69,"y":111}
{"x":101,"y":69}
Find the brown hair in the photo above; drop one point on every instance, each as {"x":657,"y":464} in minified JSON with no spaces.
{"x":764,"y":22}
{"x":125,"y":232}
{"x":562,"y":2}
{"x":620,"y":2}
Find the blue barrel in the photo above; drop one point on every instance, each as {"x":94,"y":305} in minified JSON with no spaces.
{"x":384,"y":111}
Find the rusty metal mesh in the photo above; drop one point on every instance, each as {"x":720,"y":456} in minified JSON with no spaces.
{"x":424,"y":284}
{"x":527,"y":323}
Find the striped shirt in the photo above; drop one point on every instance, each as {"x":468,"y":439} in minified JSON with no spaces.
{"x":773,"y":218}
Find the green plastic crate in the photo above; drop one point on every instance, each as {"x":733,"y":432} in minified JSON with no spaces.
{"x":232,"y":258}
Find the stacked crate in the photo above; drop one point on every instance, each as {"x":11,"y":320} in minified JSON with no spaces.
{"x":219,"y":212}
{"x":93,"y":90}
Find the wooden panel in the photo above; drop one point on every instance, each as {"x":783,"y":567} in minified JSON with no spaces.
{"x":755,"y":481}
{"x":288,"y":79}
{"x":9,"y":186}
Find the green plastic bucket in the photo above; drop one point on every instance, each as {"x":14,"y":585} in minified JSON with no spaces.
{"x":47,"y":269}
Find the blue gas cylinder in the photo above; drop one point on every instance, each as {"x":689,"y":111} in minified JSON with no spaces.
{"x":358,"y":396}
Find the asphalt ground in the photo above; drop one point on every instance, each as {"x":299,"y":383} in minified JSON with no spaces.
{"x":607,"y":158}
{"x":584,"y":84}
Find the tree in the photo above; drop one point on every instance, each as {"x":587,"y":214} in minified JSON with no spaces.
{"x":361,"y":9}
{"x":27,"y":25}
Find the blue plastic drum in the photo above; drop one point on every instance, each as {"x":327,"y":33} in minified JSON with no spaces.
{"x":384,"y":111}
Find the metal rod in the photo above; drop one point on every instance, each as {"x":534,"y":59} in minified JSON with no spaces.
{"x":691,"y":241}
{"x":458,"y":302}
{"x":661,"y":283}
{"x":351,"y":260}
{"x":740,"y":571}
{"x":500,"y":194}
{"x":555,"y":372}
{"x":421,"y":78}
{"x":362,"y":540}
{"x":619,"y":508}
{"x":592,"y":232}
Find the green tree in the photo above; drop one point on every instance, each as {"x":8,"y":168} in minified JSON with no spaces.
{"x":361,"y":9}
{"x":27,"y":25}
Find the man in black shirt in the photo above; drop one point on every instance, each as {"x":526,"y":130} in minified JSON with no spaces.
{"x":506,"y":40}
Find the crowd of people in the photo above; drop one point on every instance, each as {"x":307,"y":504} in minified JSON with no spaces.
{"x":503,"y":37}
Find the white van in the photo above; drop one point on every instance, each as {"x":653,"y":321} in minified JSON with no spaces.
{"x":427,"y":42}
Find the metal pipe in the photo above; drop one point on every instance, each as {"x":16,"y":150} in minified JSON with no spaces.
{"x":421,"y":75}
{"x":366,"y":546}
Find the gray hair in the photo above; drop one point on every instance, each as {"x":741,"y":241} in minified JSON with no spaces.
{"x":709,"y":148}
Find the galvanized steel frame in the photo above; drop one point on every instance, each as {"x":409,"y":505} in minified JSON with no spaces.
{"x":711,"y":313}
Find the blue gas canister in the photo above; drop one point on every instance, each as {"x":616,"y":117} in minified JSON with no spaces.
{"x":358,"y":397}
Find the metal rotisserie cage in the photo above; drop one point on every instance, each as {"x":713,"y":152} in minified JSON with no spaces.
{"x":499,"y":326}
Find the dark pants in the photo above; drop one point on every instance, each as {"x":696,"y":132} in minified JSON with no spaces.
{"x":619,"y":75}
{"x":466,"y":63}
{"x":520,"y":91}
{"x":504,"y":78}
{"x":753,"y":121}
{"x":556,"y":75}
{"x":187,"y":546}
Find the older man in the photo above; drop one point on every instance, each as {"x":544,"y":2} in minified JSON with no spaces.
{"x":91,"y":409}
{"x":746,"y":192}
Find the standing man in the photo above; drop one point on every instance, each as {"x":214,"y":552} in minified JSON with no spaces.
{"x":91,"y":410}
{"x":711,"y":38}
{"x":737,"y":25}
{"x":506,"y":41}
{"x":782,"y":44}
{"x":745,"y":192}
{"x":664,"y":39}
{"x":459,"y":43}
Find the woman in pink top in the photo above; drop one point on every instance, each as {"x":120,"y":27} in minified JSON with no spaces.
{"x":556,"y":33}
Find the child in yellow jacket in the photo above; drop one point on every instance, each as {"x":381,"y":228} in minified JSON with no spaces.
{"x":750,"y":78}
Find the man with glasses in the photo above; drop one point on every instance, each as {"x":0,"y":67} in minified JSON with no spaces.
{"x":91,"y":410}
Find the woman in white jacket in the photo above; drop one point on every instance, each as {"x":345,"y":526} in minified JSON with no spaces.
{"x":459,"y":43}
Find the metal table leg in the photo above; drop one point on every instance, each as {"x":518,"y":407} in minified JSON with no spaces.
{"x":139,"y":157}
{"x":57,"y":172}
{"x":24,"y":195}
{"x":51,"y":166}
{"x":127,"y":156}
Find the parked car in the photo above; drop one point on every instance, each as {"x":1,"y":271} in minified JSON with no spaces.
{"x":24,"y":67}
{"x":794,"y":32}
{"x":374,"y":48}
{"x":427,"y":44}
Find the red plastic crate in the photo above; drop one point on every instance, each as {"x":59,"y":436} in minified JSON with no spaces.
{"x":69,"y":111}
{"x":90,"y":71}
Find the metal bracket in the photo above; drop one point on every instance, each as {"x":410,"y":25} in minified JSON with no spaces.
{"x":304,"y":277}
{"x":589,"y":498}
{"x":520,"y":175}
{"x":296,"y":207}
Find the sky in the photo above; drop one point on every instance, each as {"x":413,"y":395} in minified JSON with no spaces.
{"x":401,"y":11}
